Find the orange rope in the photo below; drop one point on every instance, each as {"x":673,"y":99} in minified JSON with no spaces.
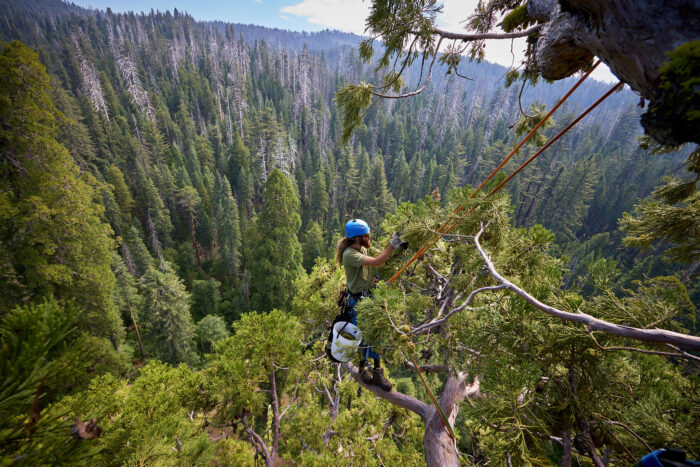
{"x":443,"y":229}
{"x":532,"y":132}
{"x":555,"y":138}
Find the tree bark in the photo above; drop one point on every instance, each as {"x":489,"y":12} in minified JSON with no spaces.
{"x":631,"y":36}
{"x":133,"y":320}
{"x":194,"y":239}
{"x":440,"y":449}
{"x":566,"y":457}
{"x":258,"y":443}
{"x":275,"y":418}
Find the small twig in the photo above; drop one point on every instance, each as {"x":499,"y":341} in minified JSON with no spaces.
{"x":629,"y":430}
{"x":446,"y":302}
{"x":429,"y":368}
{"x":462,"y":76}
{"x":416,"y":286}
{"x":632,"y":457}
{"x":403,"y":66}
{"x":226,"y":425}
{"x":436,"y":274}
{"x":461,"y":348}
{"x":417,"y":91}
{"x":681,"y":354}
{"x":681,"y":351}
{"x":291,"y":402}
{"x":463,"y":306}
{"x":456,"y":237}
{"x":388,"y":315}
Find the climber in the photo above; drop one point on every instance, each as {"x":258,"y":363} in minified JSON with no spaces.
{"x":353,"y":253}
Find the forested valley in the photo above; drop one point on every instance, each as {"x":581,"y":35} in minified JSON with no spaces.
{"x":171,"y":196}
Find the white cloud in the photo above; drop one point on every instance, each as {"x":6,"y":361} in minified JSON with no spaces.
{"x":454,"y":14}
{"x":343,"y":15}
{"x":286,"y":18}
{"x":454,"y":18}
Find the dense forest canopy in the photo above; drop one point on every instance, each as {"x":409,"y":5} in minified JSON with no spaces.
{"x":171,"y":193}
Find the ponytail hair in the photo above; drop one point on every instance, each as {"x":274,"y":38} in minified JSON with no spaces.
{"x":343,"y":243}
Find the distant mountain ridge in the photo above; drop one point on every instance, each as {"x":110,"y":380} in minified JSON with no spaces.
{"x":296,"y":40}
{"x":242,"y":78}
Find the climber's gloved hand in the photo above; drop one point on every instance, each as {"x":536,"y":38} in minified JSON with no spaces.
{"x":397,"y":242}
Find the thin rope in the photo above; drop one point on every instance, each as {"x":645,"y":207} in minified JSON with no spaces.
{"x":442,"y":414}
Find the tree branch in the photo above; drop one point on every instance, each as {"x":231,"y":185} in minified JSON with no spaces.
{"x":683,"y":353}
{"x":650,"y":352}
{"x":417,"y":91}
{"x":275,"y":417}
{"x":257,"y":442}
{"x":291,"y":401}
{"x":439,"y":322}
{"x":397,"y":398}
{"x":486,"y":35}
{"x":629,"y":430}
{"x":594,"y":324}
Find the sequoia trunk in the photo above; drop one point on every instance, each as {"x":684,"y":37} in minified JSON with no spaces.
{"x":632,"y":37}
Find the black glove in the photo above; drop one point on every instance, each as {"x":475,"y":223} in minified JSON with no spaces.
{"x":397,"y":242}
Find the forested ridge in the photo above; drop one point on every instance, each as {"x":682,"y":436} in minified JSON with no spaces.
{"x":172,"y":193}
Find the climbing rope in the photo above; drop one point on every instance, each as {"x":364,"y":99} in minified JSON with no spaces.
{"x":452,"y":223}
{"x":556,"y":137}
{"x":442,"y":229}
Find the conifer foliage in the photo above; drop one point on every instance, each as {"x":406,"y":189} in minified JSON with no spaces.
{"x":52,"y":235}
{"x":276,"y":248}
{"x":176,"y":206}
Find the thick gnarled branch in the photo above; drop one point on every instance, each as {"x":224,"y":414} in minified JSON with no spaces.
{"x":594,"y":324}
{"x":486,"y":35}
{"x":397,"y":398}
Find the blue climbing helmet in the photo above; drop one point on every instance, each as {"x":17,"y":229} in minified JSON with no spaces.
{"x":356,"y":227}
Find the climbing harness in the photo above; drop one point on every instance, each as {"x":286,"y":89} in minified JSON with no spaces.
{"x":452,"y":223}
{"x":346,"y":301}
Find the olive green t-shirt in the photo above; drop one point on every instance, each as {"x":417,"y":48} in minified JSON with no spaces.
{"x":358,"y":277}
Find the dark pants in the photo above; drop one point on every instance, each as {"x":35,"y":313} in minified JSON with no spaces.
{"x":350,"y":302}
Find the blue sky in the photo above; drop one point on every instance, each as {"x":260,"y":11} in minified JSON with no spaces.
{"x":315,"y":15}
{"x":295,"y":15}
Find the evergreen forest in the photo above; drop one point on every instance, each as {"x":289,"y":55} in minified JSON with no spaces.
{"x":171,"y":196}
